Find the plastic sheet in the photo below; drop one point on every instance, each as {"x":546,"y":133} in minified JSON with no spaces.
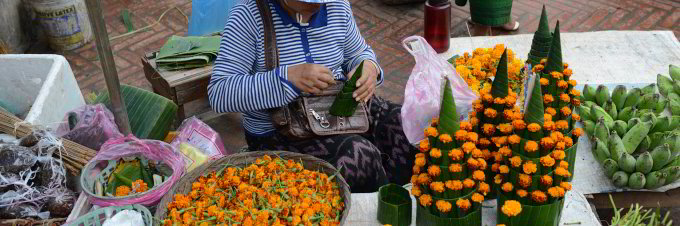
{"x":196,"y":133}
{"x":422,"y":95}
{"x":209,"y":16}
{"x":90,"y":126}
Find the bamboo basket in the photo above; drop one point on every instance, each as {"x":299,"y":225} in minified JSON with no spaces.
{"x":183,"y":186}
{"x":490,"y":12}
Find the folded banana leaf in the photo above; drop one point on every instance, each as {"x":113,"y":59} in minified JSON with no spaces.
{"x":188,"y":52}
{"x":571,"y":159}
{"x":394,"y":205}
{"x":425,"y":218}
{"x":344,"y":105}
{"x":544,"y":215}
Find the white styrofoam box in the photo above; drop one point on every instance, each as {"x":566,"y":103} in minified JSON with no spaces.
{"x":40,"y":88}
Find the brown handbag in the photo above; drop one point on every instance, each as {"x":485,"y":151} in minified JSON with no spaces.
{"x":308,"y":115}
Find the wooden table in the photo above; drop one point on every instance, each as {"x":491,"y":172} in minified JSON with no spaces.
{"x":181,"y":86}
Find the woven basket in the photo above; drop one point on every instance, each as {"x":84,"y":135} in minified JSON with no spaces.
{"x":183,"y":186}
{"x":98,"y":216}
{"x":490,"y":12}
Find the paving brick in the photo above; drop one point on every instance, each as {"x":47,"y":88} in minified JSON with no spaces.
{"x":671,"y":19}
{"x":613,"y":19}
{"x":653,"y":19}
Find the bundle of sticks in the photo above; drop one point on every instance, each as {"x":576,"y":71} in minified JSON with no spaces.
{"x":74,"y":155}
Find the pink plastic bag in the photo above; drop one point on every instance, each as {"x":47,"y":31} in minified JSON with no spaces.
{"x":422,"y":96}
{"x":90,"y":126}
{"x":198,"y":134}
{"x":131,"y":146}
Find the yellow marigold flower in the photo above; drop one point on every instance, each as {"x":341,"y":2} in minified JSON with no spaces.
{"x":454,"y":185}
{"x":468,"y":183}
{"x":565,"y":185}
{"x":445,"y":138}
{"x":565,"y":97}
{"x":477,"y":153}
{"x":420,"y":161}
{"x":524,"y":180}
{"x":514,"y":139}
{"x":487,"y":98}
{"x":549,"y":125}
{"x":490,"y":113}
{"x":498,"y":179}
{"x":551,"y":111}
{"x":534,"y":127}
{"x":503,"y":169}
{"x":505,"y":128}
{"x":539,"y":196}
{"x":472,"y":137}
{"x":498,"y":100}
{"x":544,"y":81}
{"x":455,"y":168}
{"x":425,"y":200}
{"x":443,"y":206}
{"x":461,"y":135}
{"x":465,"y":125}
{"x":431,"y":132}
{"x":531,"y":146}
{"x":547,"y":161}
{"x":564,"y":164}
{"x":423,"y":178}
{"x":547,"y":117}
{"x":511,"y":208}
{"x":424,"y":145}
{"x":558,"y":154}
{"x":546,"y":180}
{"x":563,"y":172}
{"x":516,"y":161}
{"x":434,"y":170}
{"x":562,"y":85}
{"x":507,"y":187}
{"x":437,"y":186}
{"x":547,"y":99}
{"x":556,"y":74}
{"x":529,"y":167}
{"x":468,"y":147}
{"x":478,"y":175}
{"x":478,"y":198}
{"x":463,"y":204}
{"x":567,"y":71}
{"x":435,"y":153}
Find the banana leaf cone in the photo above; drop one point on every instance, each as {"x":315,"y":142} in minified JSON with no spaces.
{"x":534,"y":114}
{"x":571,"y":159}
{"x":394,"y":205}
{"x":344,"y":104}
{"x":547,"y":214}
{"x":448,"y":118}
{"x":540,"y":45}
{"x":554,"y":62}
{"x":431,"y":216}
{"x":500,"y":84}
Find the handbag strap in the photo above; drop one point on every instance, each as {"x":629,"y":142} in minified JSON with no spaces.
{"x":271,"y":53}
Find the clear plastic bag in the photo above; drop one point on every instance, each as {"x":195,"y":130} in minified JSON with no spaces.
{"x":199,"y":135}
{"x":90,"y":126}
{"x":422,"y":96}
{"x":209,"y":16}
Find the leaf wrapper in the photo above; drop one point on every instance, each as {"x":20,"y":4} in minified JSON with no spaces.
{"x":545,"y":215}
{"x":394,"y":205}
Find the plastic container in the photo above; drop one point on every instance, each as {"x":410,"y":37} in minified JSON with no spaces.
{"x":40,"y":89}
{"x":65,"y":22}
{"x":438,"y":24}
{"x":99,"y":216}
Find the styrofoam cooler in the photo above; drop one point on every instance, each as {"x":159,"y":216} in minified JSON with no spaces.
{"x":39,"y":88}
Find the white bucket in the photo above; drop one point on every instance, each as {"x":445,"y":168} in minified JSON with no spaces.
{"x":64,"y":22}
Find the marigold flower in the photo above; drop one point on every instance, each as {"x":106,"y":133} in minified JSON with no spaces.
{"x":468,"y":147}
{"x":529,"y":167}
{"x":499,"y":141}
{"x":539,"y":196}
{"x":498,"y":100}
{"x":478,"y":175}
{"x":559,"y":154}
{"x":454,"y":185}
{"x":552,"y":191}
{"x":577,"y":132}
{"x":431,"y":132}
{"x":420,"y":161}
{"x":443,"y":206}
{"x":534,"y":127}
{"x":483,"y":142}
{"x":514,"y":139}
{"x":564,"y":164}
{"x":498,"y":179}
{"x":505,"y":128}
{"x":546,"y":180}
{"x":456,"y":154}
{"x":544,"y":60}
{"x":507,"y":187}
{"x":487,"y":98}
{"x":510,"y":100}
{"x":503,"y":169}
{"x":574,"y":92}
{"x":488,"y":129}
{"x":472,"y":137}
{"x":472,"y":163}
{"x":518,"y":115}
{"x":562,"y":85}
{"x":544,"y":81}
{"x":557,"y":136}
{"x":461,"y":135}
{"x":524,"y":180}
{"x":575,"y":102}
{"x":455,"y":168}
{"x":415,"y":191}
{"x":563,"y":172}
{"x":478,"y":107}
{"x":481,"y":163}
{"x":139,"y":186}
{"x":435,"y":153}
{"x":516,"y":161}
{"x":565,"y":185}
{"x":434,"y":170}
{"x":531,"y":146}
{"x":567,"y":71}
{"x":437,"y":186}
{"x":465,"y":125}
{"x":547,"y":143}
{"x":549,"y":125}
{"x":547,"y":161}
{"x":494,"y":167}
{"x":498,"y":157}
{"x":490,"y":113}
{"x":478,"y":198}
{"x":550,"y":111}
{"x":123,"y":190}
{"x":434,"y":121}
{"x":547,"y":117}
{"x":511,"y":208}
{"x":423,"y":178}
{"x":477,"y":153}
{"x":468,"y":183}
{"x":537,"y":68}
{"x":424,"y":145}
{"x":547,"y":99}
{"x":445,"y":138}
{"x":556,"y":74}
{"x":568,"y":141}
{"x":463,"y":204}
{"x":425,"y":200}
{"x":565,"y":97}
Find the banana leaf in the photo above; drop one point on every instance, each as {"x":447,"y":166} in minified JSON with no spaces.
{"x":124,"y":174}
{"x":448,"y":115}
{"x":345,"y":105}
{"x":499,"y":87}
{"x":150,"y":115}
{"x":544,"y":215}
{"x":571,"y":159}
{"x":394,"y":205}
{"x":554,"y":62}
{"x":425,"y":218}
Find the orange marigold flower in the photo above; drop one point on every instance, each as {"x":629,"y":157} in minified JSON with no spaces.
{"x":434,"y":121}
{"x":478,"y":107}
{"x":575,"y":102}
{"x":529,"y":167}
{"x":575,"y":117}
{"x":472,"y":137}
{"x":567,"y":72}
{"x":550,"y":111}
{"x":434,"y":170}
{"x":547,"y":117}
{"x":483,"y":142}
{"x":498,"y":100}
{"x":505,"y":151}
{"x":490,"y":113}
{"x":547,"y":143}
{"x":537,"y":68}
{"x":416,"y":170}
{"x":435,"y":153}
{"x":510,"y":100}
{"x":424,"y":145}
{"x":547,"y":161}
{"x":437,"y":186}
{"x":531,"y":146}
{"x":456,"y":154}
{"x":544,"y":81}
{"x":547,"y":99}
{"x":524,"y":180}
{"x":472,"y":163}
{"x":534,"y":127}
{"x":514,"y":139}
{"x":420,"y":161}
{"x":465,"y":125}
{"x":574,"y":92}
{"x":516,"y":161}
{"x":552,"y":191}
{"x":539,"y":196}
{"x":415,"y":190}
{"x":518,"y":124}
{"x":468,"y":183}
{"x":565,"y":97}
{"x":508,"y":114}
{"x":481,"y":163}
{"x":445,"y":138}
{"x":556,"y":74}
{"x":443,"y":206}
{"x":577,"y":132}
{"x":505,"y":128}
{"x":565,"y":65}
{"x":455,"y":168}
{"x":564,"y":164}
{"x":546,"y":180}
{"x":123,"y":190}
{"x":559,"y":154}
{"x":562,"y":85}
{"x":454,"y":185}
{"x":565,"y":110}
{"x":431,"y":132}
{"x":522,"y":193}
{"x":565,"y":185}
{"x":487,"y":98}
{"x":484,"y":188}
{"x":568,"y":141}
{"x":503,"y":169}
{"x":507,"y":187}
{"x":478,"y":175}
{"x":463,"y":204}
{"x":544,"y":60}
{"x":563,"y":172}
{"x":557,"y":136}
{"x":498,"y":157}
{"x":498,"y":179}
{"x":488,"y":129}
{"x":468,"y":147}
{"x":477,"y":153}
{"x":425,"y":200}
{"x":500,"y":141}
{"x":549,"y":125}
{"x":494,"y":167}
{"x":423,"y":178}
{"x":478,"y":198}
{"x":511,"y":208}
{"x":461,"y":135}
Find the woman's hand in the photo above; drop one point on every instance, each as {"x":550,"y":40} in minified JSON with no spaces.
{"x":310,"y":78}
{"x":367,"y":82}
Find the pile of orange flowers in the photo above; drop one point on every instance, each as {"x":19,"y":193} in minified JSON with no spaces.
{"x":138,"y":186}
{"x":477,"y":68}
{"x":272,"y":191}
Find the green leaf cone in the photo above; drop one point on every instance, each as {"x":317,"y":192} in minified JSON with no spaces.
{"x":554,"y":62}
{"x":448,"y":116}
{"x":344,"y":104}
{"x":540,"y":45}
{"x":499,"y":87}
{"x":535,"y":110}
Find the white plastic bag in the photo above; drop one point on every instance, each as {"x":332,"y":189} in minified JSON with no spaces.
{"x":422,"y":96}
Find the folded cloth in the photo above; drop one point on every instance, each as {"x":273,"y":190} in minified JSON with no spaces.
{"x":188,"y":52}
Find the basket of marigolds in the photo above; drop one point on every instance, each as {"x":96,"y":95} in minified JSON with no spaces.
{"x":270,"y":187}
{"x":479,"y":67}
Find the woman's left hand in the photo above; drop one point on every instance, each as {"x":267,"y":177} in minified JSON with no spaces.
{"x":367,"y":82}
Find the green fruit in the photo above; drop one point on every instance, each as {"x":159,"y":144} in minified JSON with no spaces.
{"x":642,"y":112}
{"x":644,"y":145}
{"x":601,"y":130}
{"x":661,"y":156}
{"x":635,"y":135}
{"x":610,"y":108}
{"x":656,"y":139}
{"x":619,"y":96}
{"x":649,"y":101}
{"x":600,"y":150}
{"x":620,"y":179}
{"x":610,"y":167}
{"x":665,"y":84}
{"x":673,"y":141}
{"x":676,"y":86}
{"x":636,"y":180}
{"x":589,"y":104}
{"x":588,"y":93}
{"x":672,"y":174}
{"x":627,"y":113}
{"x":673,"y":96}
{"x":589,"y":127}
{"x":620,"y":127}
{"x":601,"y":94}
{"x":651,"y":88}
{"x":655,"y":180}
{"x":649,"y":117}
{"x":662,"y":124}
{"x":597,"y":112}
{"x":675,"y":122}
{"x":674,"y":106}
{"x":627,"y":163}
{"x":616,"y":148}
{"x":632,"y":122}
{"x":644,"y":163}
{"x":633,"y":97}
{"x":584,"y":112}
{"x":660,"y":105}
{"x":674,"y":71}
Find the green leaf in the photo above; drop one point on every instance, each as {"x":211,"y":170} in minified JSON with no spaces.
{"x":344,"y":104}
{"x":394,"y":205}
{"x":448,"y":116}
{"x":534,"y":112}
{"x":452,"y":60}
{"x":499,"y":87}
{"x":425,"y":218}
{"x":150,"y":114}
{"x":540,"y":45}
{"x":554,"y":62}
{"x":571,"y":159}
{"x":126,"y":20}
{"x":548,"y":214}
{"x":124,"y":174}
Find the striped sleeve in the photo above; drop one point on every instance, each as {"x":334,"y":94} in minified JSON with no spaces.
{"x":356,"y":49}
{"x":234,"y":86}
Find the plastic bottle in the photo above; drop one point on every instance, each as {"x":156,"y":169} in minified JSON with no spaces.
{"x":438,"y":24}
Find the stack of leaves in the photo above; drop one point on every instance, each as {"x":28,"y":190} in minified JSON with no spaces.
{"x":478,"y":68}
{"x":492,"y":118}
{"x":271,"y":191}
{"x":188,"y":52}
{"x":344,"y":104}
{"x":540,"y":156}
{"x":448,"y":175}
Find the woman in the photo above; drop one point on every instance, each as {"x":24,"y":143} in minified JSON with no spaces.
{"x":318,"y":43}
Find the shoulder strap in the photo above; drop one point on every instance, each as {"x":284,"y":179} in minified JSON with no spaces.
{"x":271,"y":54}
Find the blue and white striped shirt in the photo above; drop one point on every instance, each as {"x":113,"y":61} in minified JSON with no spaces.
{"x":240,"y":81}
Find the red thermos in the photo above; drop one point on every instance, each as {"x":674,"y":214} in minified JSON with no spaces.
{"x":438,"y":24}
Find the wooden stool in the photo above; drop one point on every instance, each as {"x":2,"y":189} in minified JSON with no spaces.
{"x":181,"y":86}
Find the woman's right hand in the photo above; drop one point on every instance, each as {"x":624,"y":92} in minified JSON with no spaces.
{"x":310,"y":78}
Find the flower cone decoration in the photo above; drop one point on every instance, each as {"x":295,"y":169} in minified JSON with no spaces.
{"x":448,"y":175}
{"x":540,"y":45}
{"x":537,"y":171}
